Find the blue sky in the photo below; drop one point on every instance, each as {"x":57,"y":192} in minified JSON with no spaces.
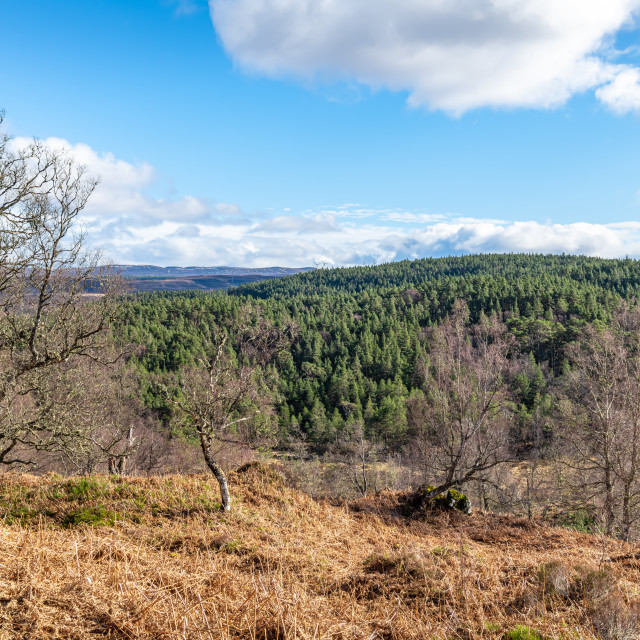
{"x":263,"y":132}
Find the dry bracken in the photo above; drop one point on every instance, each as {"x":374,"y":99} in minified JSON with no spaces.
{"x":155,"y":558}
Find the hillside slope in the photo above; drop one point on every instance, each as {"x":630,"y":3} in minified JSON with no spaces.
{"x":153,"y":558}
{"x":621,"y":276}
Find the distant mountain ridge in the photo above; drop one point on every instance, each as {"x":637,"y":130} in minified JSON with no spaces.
{"x":153,"y":271}
{"x":150,"y":277}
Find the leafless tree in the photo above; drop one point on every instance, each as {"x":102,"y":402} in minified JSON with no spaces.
{"x":601,"y":409}
{"x":97,"y":417}
{"x":358,"y":453}
{"x":46,"y":317}
{"x":461,"y":424}
{"x":227,"y":398}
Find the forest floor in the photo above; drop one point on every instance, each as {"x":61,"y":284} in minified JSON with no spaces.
{"x":154,"y":558}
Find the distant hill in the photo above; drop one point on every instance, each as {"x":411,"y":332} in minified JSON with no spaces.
{"x":621,"y":276}
{"x":152,"y":278}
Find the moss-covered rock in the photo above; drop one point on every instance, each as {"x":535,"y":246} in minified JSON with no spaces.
{"x":453,"y":500}
{"x":426,"y":499}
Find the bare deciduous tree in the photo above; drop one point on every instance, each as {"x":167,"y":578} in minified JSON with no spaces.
{"x":461,"y":424}
{"x":601,"y":409}
{"x":46,"y":317}
{"x":228,"y":397}
{"x":357,"y":453}
{"x":97,"y":415}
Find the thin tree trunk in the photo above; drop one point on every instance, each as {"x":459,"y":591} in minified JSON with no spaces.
{"x":217,"y":472}
{"x":364,"y":477}
{"x":608,"y":501}
{"x":626,"y":512}
{"x":122,"y":462}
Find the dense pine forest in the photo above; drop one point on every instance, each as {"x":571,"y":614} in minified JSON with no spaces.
{"x":619,"y":276}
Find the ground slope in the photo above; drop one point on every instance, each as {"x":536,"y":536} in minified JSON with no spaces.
{"x":154,"y":558}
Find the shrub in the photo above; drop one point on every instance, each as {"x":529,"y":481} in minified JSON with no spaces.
{"x":84,"y":488}
{"x":19,"y":513}
{"x":407,"y":563}
{"x":580,"y":520}
{"x":577,"y":584}
{"x":594,"y":585}
{"x":555,"y":579}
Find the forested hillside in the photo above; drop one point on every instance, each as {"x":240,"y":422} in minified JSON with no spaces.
{"x":436,"y":371}
{"x":619,"y":276}
{"x":479,"y":374}
{"x":362,"y":345}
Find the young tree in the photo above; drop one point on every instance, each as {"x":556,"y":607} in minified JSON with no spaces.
{"x":601,"y":406}
{"x":461,"y":424}
{"x":358,"y":453}
{"x":97,"y":415}
{"x":46,"y":318}
{"x":228,"y":397}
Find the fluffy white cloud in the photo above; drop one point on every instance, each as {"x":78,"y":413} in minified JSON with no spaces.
{"x":304,"y":239}
{"x":125,"y":189}
{"x":623,"y":94}
{"x":132,"y":226}
{"x":453,"y":55}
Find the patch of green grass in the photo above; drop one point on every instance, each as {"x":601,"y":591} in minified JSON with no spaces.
{"x":20,"y":513}
{"x":232,"y":546}
{"x":208,"y":504}
{"x":85,"y":488}
{"x":523,"y":633}
{"x":123,"y":490}
{"x":56,"y":493}
{"x":439,"y":550}
{"x":95,"y":516}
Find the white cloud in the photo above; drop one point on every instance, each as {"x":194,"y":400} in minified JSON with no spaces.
{"x":453,"y":55}
{"x":186,"y":7}
{"x":125,"y":188}
{"x":301,"y":241}
{"x":133,"y":226}
{"x":623,"y":94}
{"x":111,"y":170}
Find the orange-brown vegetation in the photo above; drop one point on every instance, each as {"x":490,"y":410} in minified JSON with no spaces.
{"x":143,"y":558}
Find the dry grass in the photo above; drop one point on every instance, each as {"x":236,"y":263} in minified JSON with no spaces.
{"x":159,"y":561}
